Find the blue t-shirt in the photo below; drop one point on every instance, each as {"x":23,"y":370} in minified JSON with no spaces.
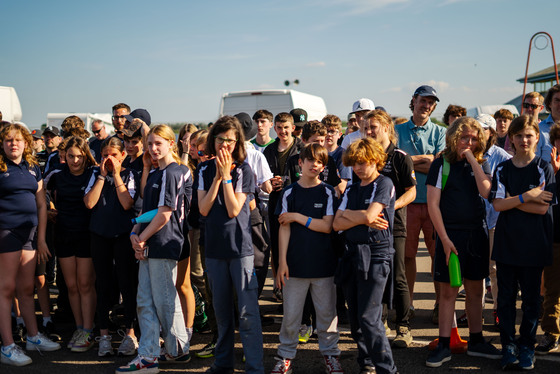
{"x":108,"y":217}
{"x":521,"y":238}
{"x":67,"y":191}
{"x":18,"y":186}
{"x":358,"y":197}
{"x":420,"y":140}
{"x":310,"y":253}
{"x":226,"y":237}
{"x":166,"y":188}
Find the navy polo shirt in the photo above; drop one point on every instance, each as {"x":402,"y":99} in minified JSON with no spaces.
{"x":329,"y":175}
{"x":462,"y":207}
{"x":521,"y":238}
{"x":108,"y":217}
{"x":137,"y":165}
{"x":358,"y":197}
{"x":310,"y":253}
{"x":18,"y":186}
{"x":53,"y":162}
{"x":166,"y":188}
{"x":226,"y":237}
{"x":67,"y":191}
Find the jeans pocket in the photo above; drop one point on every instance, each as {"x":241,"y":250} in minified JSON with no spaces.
{"x":251,"y":282}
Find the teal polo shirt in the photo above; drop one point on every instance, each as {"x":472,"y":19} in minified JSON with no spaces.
{"x":420,"y":140}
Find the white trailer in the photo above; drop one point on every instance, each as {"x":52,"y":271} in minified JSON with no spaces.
{"x":56,"y":119}
{"x":275,"y":101}
{"x":9,"y":104}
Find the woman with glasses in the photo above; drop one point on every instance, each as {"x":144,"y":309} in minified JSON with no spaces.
{"x":225,"y":187}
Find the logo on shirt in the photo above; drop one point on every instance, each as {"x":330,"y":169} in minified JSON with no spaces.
{"x":367,"y":201}
{"x":413,"y":175}
{"x":155,"y":185}
{"x":318,"y":205}
{"x":32,"y":172}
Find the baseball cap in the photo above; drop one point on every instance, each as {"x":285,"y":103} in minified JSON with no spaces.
{"x":130,"y":129}
{"x":363,"y":104}
{"x":486,"y":121}
{"x":249,"y":130}
{"x":300,"y":117}
{"x":51,"y":130}
{"x":351,"y":116}
{"x":426,"y":91}
{"x":35,"y":134}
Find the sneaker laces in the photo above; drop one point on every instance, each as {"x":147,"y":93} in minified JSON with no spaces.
{"x":15,"y":350}
{"x":282,"y":364}
{"x":333,"y":364}
{"x":303,"y":330}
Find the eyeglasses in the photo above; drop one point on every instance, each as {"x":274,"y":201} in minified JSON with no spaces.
{"x":221,"y":140}
{"x":116,"y":118}
{"x":468,"y":139}
{"x":532,"y":106}
{"x":200,"y":153}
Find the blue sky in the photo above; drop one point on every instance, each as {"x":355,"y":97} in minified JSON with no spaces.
{"x":176,"y":58}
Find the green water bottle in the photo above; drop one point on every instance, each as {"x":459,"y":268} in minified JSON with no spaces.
{"x":454,"y":271}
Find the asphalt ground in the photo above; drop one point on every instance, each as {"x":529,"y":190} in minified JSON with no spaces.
{"x":309,"y":359}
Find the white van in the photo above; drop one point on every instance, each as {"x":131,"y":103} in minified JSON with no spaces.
{"x":491,"y":109}
{"x":275,"y":101}
{"x":9,"y":104}
{"x":56,"y":119}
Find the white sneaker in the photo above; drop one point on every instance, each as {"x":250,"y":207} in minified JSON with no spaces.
{"x":41,"y":343}
{"x":128,"y":346}
{"x":105,"y":347}
{"x":75,"y":337}
{"x":13,"y":355}
{"x":83,"y":343}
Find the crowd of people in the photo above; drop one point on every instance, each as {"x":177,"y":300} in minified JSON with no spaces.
{"x":176,"y":219}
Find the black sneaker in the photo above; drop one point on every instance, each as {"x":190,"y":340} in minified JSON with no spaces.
{"x":50,"y":332}
{"x":207,"y":351}
{"x":462,"y":321}
{"x":485,"y":350}
{"x":548,"y":344}
{"x":438,"y":356}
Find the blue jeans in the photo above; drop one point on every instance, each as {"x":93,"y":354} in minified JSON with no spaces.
{"x":364,"y":298}
{"x":529,"y":280}
{"x":238,"y":274}
{"x":158,"y":304}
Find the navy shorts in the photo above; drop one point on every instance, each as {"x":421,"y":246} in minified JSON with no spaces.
{"x":474,"y":255}
{"x":72,"y":243}
{"x":13,"y":240}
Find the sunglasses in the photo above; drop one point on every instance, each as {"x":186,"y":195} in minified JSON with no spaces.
{"x":96,"y":131}
{"x":221,"y":140}
{"x":532,"y":106}
{"x":116,"y":118}
{"x":201,"y":153}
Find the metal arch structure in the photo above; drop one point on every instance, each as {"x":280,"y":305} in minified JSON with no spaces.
{"x":546,"y":35}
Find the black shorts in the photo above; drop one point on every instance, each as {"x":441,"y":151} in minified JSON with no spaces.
{"x":41,"y":269}
{"x":13,"y":240}
{"x":72,"y":243}
{"x":474,"y":255}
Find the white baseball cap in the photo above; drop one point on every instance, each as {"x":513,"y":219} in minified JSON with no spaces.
{"x":363,"y":104}
{"x":486,"y":121}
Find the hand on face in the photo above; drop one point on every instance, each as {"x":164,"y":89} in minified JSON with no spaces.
{"x":224,"y":162}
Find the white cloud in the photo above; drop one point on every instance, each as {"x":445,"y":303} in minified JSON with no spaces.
{"x":358,"y":7}
{"x":318,"y":64}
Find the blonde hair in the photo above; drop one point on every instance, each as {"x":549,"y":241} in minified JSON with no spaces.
{"x":167,"y":133}
{"x":383,"y":118}
{"x":453,"y":135}
{"x":365,"y":150}
{"x":27,"y":152}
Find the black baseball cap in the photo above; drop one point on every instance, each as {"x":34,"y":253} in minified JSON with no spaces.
{"x":300,"y":117}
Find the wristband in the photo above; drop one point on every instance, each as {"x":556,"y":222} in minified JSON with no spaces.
{"x":101,"y":177}
{"x":309,"y":219}
{"x":226,"y":181}
{"x":122,"y":184}
{"x":132,"y":233}
{"x":521,"y":198}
